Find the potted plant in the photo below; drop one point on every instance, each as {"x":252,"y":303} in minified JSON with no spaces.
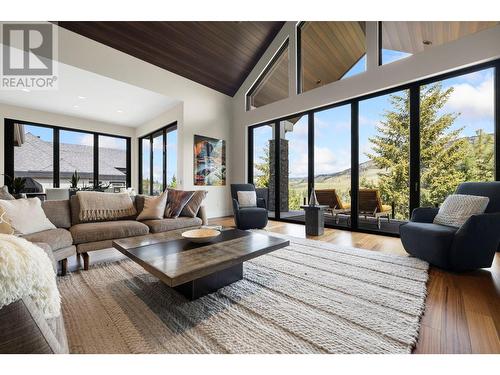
{"x":75,"y":179}
{"x":16,"y":186}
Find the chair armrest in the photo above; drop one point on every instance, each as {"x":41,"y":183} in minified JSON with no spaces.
{"x":476,"y":242}
{"x":236,"y":206}
{"x":424,"y":214}
{"x":261,"y":202}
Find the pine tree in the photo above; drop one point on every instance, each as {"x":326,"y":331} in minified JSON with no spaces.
{"x":479,"y":164}
{"x":262,"y":179}
{"x":441,"y":150}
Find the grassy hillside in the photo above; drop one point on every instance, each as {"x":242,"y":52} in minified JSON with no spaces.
{"x":341,"y":181}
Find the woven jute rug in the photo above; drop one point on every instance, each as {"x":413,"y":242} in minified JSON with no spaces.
{"x":310,"y":297}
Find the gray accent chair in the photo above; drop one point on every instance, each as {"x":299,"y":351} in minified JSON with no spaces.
{"x":469,"y":247}
{"x":248,"y":217}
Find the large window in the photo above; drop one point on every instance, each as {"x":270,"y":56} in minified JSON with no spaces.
{"x":332,"y":162}
{"x":273,"y":83}
{"x":401,"y":39}
{"x":158,"y":160}
{"x":330,"y":51}
{"x":457,"y":134}
{"x":34,"y":153}
{"x":375,"y":158}
{"x":49,"y":155}
{"x":76,"y":153}
{"x":112,"y":162}
{"x":384,"y":161}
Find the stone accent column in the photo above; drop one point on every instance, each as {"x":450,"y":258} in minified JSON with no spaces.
{"x":283,"y":207}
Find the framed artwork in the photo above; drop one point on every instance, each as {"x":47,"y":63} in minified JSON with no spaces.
{"x":209,"y":161}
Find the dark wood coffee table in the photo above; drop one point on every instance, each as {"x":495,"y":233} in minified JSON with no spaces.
{"x":195,"y":270}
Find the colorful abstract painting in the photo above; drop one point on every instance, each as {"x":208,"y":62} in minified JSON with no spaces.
{"x":209,"y":161}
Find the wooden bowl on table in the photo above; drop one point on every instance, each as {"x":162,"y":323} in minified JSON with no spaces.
{"x":200,"y":235}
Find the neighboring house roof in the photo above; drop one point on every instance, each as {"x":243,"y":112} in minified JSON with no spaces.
{"x":35,"y":158}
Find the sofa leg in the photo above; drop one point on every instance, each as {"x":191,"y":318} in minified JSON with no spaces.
{"x":85,"y":257}
{"x":64,"y":267}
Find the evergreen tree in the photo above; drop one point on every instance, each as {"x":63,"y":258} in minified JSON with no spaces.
{"x":441,"y":150}
{"x":262,"y":179}
{"x":479,"y":164}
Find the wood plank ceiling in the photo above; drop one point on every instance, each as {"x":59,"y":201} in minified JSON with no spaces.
{"x":219,"y":55}
{"x":414,"y":36}
{"x":328,"y":51}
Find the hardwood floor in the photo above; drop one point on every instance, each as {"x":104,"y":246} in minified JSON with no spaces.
{"x":462,"y":313}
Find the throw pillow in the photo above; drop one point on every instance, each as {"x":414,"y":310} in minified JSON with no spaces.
{"x":4,"y":193}
{"x":458,"y":208}
{"x":154,"y":207}
{"x":26,"y":216}
{"x":247,"y":198}
{"x":176,"y":201}
{"x":192,"y":207}
{"x":5,"y":226}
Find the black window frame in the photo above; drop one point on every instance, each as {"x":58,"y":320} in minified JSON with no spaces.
{"x":163,"y":132}
{"x":414,"y":173}
{"x":9,"y":149}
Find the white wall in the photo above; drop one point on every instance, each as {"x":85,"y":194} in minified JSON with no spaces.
{"x":203,"y":111}
{"x":477,"y":48}
{"x":31,"y":115}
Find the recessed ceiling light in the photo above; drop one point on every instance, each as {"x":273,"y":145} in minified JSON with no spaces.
{"x":76,"y":106}
{"x":82,"y":97}
{"x":119,"y":111}
{"x":26,"y":90}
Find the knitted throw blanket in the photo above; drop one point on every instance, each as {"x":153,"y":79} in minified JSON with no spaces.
{"x":26,"y":270}
{"x":96,"y":206}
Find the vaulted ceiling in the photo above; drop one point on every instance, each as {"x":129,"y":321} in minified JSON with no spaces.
{"x":219,"y":55}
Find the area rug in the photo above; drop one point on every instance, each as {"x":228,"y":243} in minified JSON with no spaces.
{"x":310,"y":297}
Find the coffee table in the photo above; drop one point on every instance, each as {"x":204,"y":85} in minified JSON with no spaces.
{"x":195,"y":269}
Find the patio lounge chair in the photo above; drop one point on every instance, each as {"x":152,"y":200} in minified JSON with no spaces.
{"x":370,"y":205}
{"x":330,"y":198}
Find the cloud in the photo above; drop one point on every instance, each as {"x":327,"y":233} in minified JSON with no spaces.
{"x":325,"y":161}
{"x":473,"y":101}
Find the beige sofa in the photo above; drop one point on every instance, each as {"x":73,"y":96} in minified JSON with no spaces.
{"x":74,"y":237}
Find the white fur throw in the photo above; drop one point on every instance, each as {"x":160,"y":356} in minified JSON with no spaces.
{"x":26,"y":270}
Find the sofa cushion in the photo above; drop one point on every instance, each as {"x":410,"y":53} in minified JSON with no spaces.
{"x":193,"y":205}
{"x":428,"y":241}
{"x":56,"y":238}
{"x":58,"y":212}
{"x":176,"y":201}
{"x":107,"y":230}
{"x":163,"y":225}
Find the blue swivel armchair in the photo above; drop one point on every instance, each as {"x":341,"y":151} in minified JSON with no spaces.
{"x":469,"y":247}
{"x":248,"y":217}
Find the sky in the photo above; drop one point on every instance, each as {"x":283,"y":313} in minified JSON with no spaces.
{"x":472,"y":97}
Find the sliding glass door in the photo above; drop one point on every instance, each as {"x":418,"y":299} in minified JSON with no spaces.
{"x":261,"y":159}
{"x":332,"y":163}
{"x":384,"y":161}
